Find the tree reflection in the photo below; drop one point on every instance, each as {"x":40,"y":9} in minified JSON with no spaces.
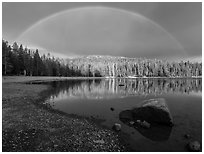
{"x":110,"y":88}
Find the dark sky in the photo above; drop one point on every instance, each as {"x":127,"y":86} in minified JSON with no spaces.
{"x":158,"y":29}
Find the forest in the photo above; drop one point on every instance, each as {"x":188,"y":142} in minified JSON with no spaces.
{"x":19,"y":60}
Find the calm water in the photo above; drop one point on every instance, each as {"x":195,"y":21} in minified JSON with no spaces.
{"x":94,"y":98}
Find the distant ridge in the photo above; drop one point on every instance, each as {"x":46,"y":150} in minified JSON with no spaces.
{"x":194,"y":59}
{"x":108,"y":57}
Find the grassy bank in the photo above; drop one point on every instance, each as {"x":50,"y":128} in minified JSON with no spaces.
{"x":29,"y":126}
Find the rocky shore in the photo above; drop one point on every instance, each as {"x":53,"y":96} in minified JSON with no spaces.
{"x":28,"y":125}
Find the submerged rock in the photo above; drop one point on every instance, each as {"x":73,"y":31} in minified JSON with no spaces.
{"x":145,"y":124}
{"x":117,"y":127}
{"x":155,"y":132}
{"x":154,"y":111}
{"x":138,"y":121}
{"x":194,"y":146}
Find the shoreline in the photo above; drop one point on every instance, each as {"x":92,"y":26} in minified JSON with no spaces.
{"x":20,"y":79}
{"x":25,"y":117}
{"x":24,"y":111}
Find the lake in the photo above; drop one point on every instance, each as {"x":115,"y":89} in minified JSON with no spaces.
{"x":106,"y":98}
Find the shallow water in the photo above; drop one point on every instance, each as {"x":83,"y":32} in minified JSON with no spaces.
{"x":107,"y":98}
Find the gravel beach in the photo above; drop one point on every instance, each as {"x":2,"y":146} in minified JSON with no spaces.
{"x":28,"y":125}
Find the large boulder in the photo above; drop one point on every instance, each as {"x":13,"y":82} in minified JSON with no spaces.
{"x":153,"y":111}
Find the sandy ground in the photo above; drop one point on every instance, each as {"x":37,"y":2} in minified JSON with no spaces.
{"x":28,"y":125}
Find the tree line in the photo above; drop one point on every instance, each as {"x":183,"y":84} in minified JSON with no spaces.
{"x":108,"y":66}
{"x":19,"y":60}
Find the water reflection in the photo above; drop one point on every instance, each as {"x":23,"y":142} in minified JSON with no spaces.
{"x":112,"y":88}
{"x":91,"y":98}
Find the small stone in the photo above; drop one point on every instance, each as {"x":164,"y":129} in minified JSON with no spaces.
{"x":99,"y":141}
{"x":117,"y":127}
{"x":187,"y":136}
{"x":131,"y":122}
{"x":55,"y":145}
{"x":112,"y":109}
{"x":194,"y":146}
